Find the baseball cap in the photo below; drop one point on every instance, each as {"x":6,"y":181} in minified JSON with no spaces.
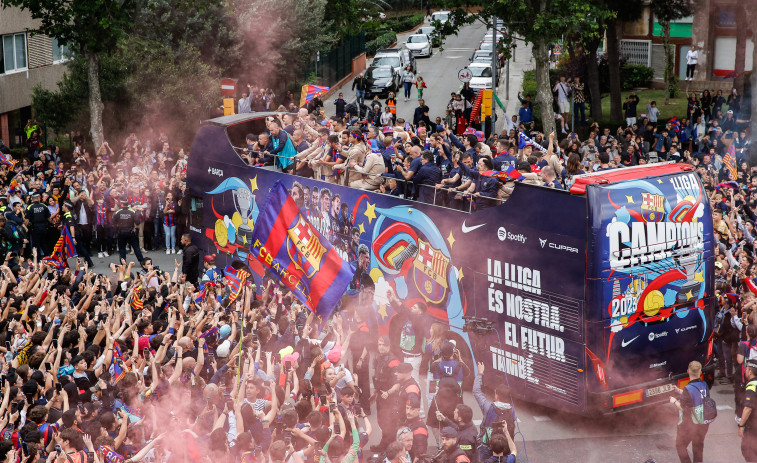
{"x":209,"y":258}
{"x":718,"y":264}
{"x":335,"y":354}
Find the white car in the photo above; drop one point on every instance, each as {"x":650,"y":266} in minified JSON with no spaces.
{"x":481,"y":75}
{"x":441,"y":16}
{"x":419,"y":45}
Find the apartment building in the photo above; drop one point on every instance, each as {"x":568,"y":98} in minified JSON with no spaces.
{"x":26,"y":60}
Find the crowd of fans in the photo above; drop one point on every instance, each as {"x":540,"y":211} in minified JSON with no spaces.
{"x":128,"y":363}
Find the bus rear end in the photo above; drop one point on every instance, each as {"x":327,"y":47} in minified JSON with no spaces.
{"x":649,"y":283}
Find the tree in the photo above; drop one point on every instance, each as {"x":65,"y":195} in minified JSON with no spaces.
{"x":294,"y":30}
{"x":91,"y":28}
{"x":539,"y":22}
{"x":666,"y":11}
{"x":625,"y":11}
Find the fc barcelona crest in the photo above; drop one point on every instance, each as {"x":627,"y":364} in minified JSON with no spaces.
{"x":652,"y":207}
{"x":430,"y":273}
{"x":304,"y":248}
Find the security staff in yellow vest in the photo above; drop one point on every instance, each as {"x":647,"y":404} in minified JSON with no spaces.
{"x":69,"y":221}
{"x":748,"y":424}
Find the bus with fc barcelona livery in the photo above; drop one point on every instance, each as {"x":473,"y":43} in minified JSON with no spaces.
{"x":591,"y":301}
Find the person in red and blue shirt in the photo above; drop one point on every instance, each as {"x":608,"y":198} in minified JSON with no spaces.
{"x":169,"y":223}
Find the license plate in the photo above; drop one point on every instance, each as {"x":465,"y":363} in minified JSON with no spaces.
{"x":657,"y":390}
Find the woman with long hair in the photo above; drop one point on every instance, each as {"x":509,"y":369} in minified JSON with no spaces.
{"x":706,"y":104}
{"x":572,"y":168}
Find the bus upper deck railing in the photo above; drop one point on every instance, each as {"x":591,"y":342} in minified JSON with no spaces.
{"x":406,"y":187}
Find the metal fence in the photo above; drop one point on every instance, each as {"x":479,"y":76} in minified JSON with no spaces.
{"x":333,"y":65}
{"x":636,"y":51}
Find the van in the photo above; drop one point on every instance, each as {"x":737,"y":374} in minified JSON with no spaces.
{"x":398,"y":58}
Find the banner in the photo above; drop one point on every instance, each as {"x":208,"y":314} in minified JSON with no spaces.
{"x":285,"y":242}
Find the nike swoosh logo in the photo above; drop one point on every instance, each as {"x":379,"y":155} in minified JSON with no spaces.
{"x":470,"y":229}
{"x":624,"y":343}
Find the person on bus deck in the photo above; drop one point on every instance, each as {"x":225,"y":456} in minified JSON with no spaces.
{"x":264,"y":147}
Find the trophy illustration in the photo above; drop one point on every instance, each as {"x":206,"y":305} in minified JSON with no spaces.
{"x":244,"y":202}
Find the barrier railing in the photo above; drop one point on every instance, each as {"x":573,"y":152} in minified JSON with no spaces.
{"x":407,"y":189}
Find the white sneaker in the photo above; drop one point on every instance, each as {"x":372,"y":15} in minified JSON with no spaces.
{"x":99,"y":254}
{"x":178,"y":252}
{"x":168,"y":251}
{"x":105,"y":254}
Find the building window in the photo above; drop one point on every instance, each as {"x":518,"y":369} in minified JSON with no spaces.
{"x":60,"y":52}
{"x":14,"y":52}
{"x":727,"y":18}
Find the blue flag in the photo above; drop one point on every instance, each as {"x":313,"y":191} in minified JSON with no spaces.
{"x":298,"y":256}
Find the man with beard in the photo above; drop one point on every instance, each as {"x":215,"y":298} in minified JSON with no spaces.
{"x":451,"y":452}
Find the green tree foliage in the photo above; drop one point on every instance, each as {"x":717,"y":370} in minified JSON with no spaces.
{"x":167,"y":69}
{"x":666,"y":11}
{"x":539,"y":22}
{"x":278,"y":48}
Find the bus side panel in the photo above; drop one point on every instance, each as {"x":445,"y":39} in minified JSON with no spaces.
{"x":539,"y":351}
{"x":650,"y":280}
{"x":520,"y":265}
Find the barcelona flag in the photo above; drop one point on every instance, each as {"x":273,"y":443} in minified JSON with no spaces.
{"x":298,"y":255}
{"x":137,"y":303}
{"x":311,"y":91}
{"x":118,"y":368}
{"x":63,"y":250}
{"x":234,"y":279}
{"x":730,"y":161}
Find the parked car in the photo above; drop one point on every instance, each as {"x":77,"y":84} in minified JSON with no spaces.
{"x":481,"y":75}
{"x":419,"y":45}
{"x":398,"y":58}
{"x":430,"y":31}
{"x":382,"y":80}
{"x":484,"y":56}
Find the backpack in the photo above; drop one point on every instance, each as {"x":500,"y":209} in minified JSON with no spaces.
{"x":449,"y":382}
{"x":708,"y":411}
{"x":495,"y":415}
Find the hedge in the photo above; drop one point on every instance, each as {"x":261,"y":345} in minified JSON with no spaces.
{"x":383,"y":41}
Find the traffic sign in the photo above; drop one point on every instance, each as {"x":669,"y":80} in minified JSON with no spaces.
{"x":464,"y":75}
{"x":228,"y":87}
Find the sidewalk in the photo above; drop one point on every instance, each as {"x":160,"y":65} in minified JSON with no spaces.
{"x":521,"y":62}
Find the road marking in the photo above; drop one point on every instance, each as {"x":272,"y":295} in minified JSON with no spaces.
{"x":724,"y":407}
{"x":542,"y":418}
{"x":458,"y":49}
{"x":453,"y":57}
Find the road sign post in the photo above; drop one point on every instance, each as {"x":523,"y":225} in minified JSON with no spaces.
{"x":464,"y":75}
{"x":228,"y":87}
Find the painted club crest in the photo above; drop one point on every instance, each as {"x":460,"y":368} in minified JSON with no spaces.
{"x":652,"y":207}
{"x":430,"y":273}
{"x":304,"y":247}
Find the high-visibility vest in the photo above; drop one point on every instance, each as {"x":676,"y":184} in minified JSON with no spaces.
{"x":392,"y":105}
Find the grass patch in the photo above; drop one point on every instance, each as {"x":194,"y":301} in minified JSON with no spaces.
{"x":676,"y":108}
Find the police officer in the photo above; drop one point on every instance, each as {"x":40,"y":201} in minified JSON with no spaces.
{"x":467,"y":433}
{"x":39,"y":218}
{"x":748,"y":424}
{"x":69,"y":220}
{"x":451,"y":452}
{"x":383,"y":380}
{"x":124,"y":222}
